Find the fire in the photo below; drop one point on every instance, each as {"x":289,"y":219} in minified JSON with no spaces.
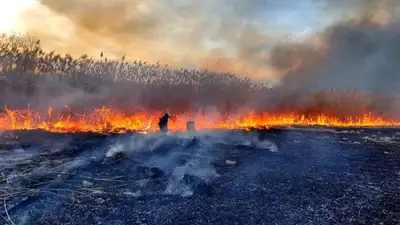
{"x":109,"y":120}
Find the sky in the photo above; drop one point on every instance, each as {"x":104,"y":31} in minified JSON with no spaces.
{"x":10,"y":10}
{"x":300,"y":17}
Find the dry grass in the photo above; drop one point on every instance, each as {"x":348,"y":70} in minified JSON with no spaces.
{"x":30,"y":75}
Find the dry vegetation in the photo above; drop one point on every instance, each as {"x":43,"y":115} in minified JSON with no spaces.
{"x":33,"y":76}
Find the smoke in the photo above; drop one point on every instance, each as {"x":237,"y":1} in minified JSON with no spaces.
{"x":186,"y":160}
{"x":361,"y":53}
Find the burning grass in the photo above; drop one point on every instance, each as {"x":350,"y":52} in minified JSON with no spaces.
{"x":110,"y":120}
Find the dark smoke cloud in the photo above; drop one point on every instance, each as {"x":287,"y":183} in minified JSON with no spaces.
{"x":361,"y":53}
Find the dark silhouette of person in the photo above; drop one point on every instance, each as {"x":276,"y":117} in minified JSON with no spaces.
{"x":163,"y":122}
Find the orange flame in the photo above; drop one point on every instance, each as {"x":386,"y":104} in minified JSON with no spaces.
{"x":109,"y":120}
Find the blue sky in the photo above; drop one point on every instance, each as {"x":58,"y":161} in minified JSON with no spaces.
{"x":300,"y":16}
{"x":283,"y":17}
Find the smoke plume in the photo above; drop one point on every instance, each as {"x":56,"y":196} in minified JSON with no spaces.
{"x":359,"y":53}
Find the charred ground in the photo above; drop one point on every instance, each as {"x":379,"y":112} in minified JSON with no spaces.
{"x":280,"y":176}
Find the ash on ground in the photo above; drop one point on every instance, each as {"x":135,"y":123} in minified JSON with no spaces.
{"x":280,"y":176}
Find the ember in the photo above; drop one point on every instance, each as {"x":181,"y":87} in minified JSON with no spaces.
{"x":110,"y":120}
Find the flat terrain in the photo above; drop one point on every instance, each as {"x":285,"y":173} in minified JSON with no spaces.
{"x":280,"y":176}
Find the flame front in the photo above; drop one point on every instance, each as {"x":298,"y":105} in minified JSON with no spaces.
{"x":109,"y":120}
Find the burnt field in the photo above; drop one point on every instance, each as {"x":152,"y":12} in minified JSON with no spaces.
{"x":279,"y":176}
